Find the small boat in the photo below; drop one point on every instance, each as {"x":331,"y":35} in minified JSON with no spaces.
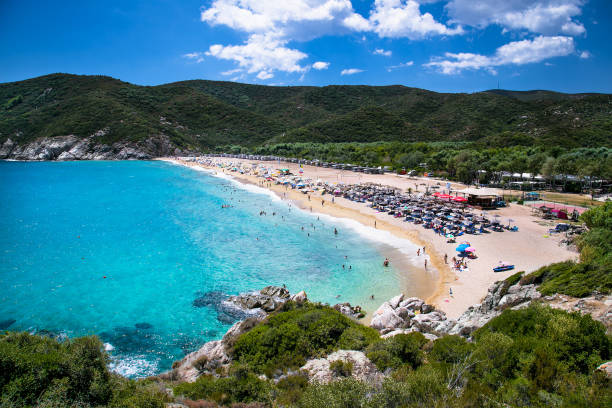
{"x":503,"y":267}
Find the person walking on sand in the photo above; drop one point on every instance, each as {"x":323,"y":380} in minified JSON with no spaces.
{"x":450,"y":292}
{"x":445,"y":258}
{"x":322,"y":203}
{"x":419,"y":252}
{"x":426,"y":264}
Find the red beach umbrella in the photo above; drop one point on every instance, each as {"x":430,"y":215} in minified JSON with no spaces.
{"x":445,"y":196}
{"x":460,"y":199}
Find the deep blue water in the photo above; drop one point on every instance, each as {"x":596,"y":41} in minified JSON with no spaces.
{"x":123,"y":249}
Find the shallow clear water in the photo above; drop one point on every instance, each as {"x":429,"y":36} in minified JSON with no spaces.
{"x":122,"y":250}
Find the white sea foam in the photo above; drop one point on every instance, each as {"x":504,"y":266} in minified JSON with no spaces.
{"x":405,"y":246}
{"x":108,"y":347}
{"x":133,"y":367}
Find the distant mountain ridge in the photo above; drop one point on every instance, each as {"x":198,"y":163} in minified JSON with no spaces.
{"x":203,"y":115}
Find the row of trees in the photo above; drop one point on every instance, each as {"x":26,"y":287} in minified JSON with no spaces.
{"x":459,"y":161}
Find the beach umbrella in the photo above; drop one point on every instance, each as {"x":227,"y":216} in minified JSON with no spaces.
{"x":436,"y":194}
{"x":450,"y":235}
{"x":470,"y":249}
{"x":460,"y":199}
{"x":462,"y":247}
{"x":445,"y":196}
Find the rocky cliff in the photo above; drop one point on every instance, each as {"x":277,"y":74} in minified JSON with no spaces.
{"x":399,"y":315}
{"x":71,"y":147}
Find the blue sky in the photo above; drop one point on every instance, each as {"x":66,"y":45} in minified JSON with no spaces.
{"x":441,"y":45}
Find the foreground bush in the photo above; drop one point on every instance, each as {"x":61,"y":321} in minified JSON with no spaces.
{"x":299,"y":332}
{"x":240,"y":386}
{"x":39,"y":371}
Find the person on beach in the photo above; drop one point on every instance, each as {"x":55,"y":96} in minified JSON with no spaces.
{"x":423,"y":250}
{"x":322,"y":203}
{"x":374,"y":223}
{"x":419,"y":252}
{"x":450,"y":292}
{"x":445,"y":258}
{"x":386,"y":262}
{"x":372,"y":297}
{"x":333,"y":200}
{"x":426,"y":264}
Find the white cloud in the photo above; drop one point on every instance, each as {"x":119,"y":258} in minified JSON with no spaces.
{"x":538,"y":16}
{"x":260,"y":54}
{"x":380,"y":51}
{"x":282,"y":22}
{"x":289,"y":19}
{"x":231,"y":72}
{"x":402,"y":65}
{"x":585,"y":55}
{"x":272,"y":24}
{"x":351,"y":71}
{"x":264,"y":75}
{"x":514,"y":53}
{"x":403,"y":18}
{"x":195,"y":56}
{"x":319,"y":65}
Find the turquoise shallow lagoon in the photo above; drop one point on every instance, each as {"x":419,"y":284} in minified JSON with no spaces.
{"x":123,"y":249}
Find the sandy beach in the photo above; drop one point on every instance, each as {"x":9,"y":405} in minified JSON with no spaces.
{"x":528,"y":249}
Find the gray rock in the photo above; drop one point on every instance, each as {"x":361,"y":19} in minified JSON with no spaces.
{"x":348,"y":310}
{"x":71,"y":147}
{"x":395,"y":301}
{"x":299,"y":297}
{"x":318,"y":370}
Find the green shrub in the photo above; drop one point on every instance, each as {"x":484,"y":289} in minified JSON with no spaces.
{"x":397,"y":351}
{"x":577,"y":340}
{"x":345,"y":393}
{"x":290,"y":389}
{"x":39,"y":370}
{"x":240,"y":386}
{"x":201,"y":363}
{"x":341,"y":368}
{"x":451,"y":349}
{"x":298,"y":332}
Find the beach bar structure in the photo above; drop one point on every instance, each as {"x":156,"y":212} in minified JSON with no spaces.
{"x":483,"y":198}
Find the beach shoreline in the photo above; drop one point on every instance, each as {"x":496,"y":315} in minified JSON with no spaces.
{"x":469,"y":286}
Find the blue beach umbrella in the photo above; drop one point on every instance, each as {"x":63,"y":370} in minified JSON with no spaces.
{"x":462,"y":247}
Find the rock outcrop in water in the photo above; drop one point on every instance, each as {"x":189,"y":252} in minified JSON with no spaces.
{"x":71,"y":147}
{"x":252,"y":306}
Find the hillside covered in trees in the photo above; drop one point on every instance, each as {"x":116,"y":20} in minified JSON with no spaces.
{"x":204,"y":115}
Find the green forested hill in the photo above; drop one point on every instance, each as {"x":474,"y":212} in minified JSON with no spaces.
{"x":206,"y":114}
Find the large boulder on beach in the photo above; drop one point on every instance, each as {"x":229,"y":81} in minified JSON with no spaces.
{"x":385,"y":317}
{"x":361,"y":368}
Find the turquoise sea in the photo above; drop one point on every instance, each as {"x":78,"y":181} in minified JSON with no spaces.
{"x":141,"y":253}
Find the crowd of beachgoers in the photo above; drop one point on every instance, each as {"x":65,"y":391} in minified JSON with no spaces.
{"x":446,"y":215}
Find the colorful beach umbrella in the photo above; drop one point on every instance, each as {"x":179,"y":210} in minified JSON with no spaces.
{"x":460,"y":199}
{"x":470,"y":249}
{"x":462,"y":247}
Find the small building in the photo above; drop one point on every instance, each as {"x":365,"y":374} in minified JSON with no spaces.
{"x":483,"y":198}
